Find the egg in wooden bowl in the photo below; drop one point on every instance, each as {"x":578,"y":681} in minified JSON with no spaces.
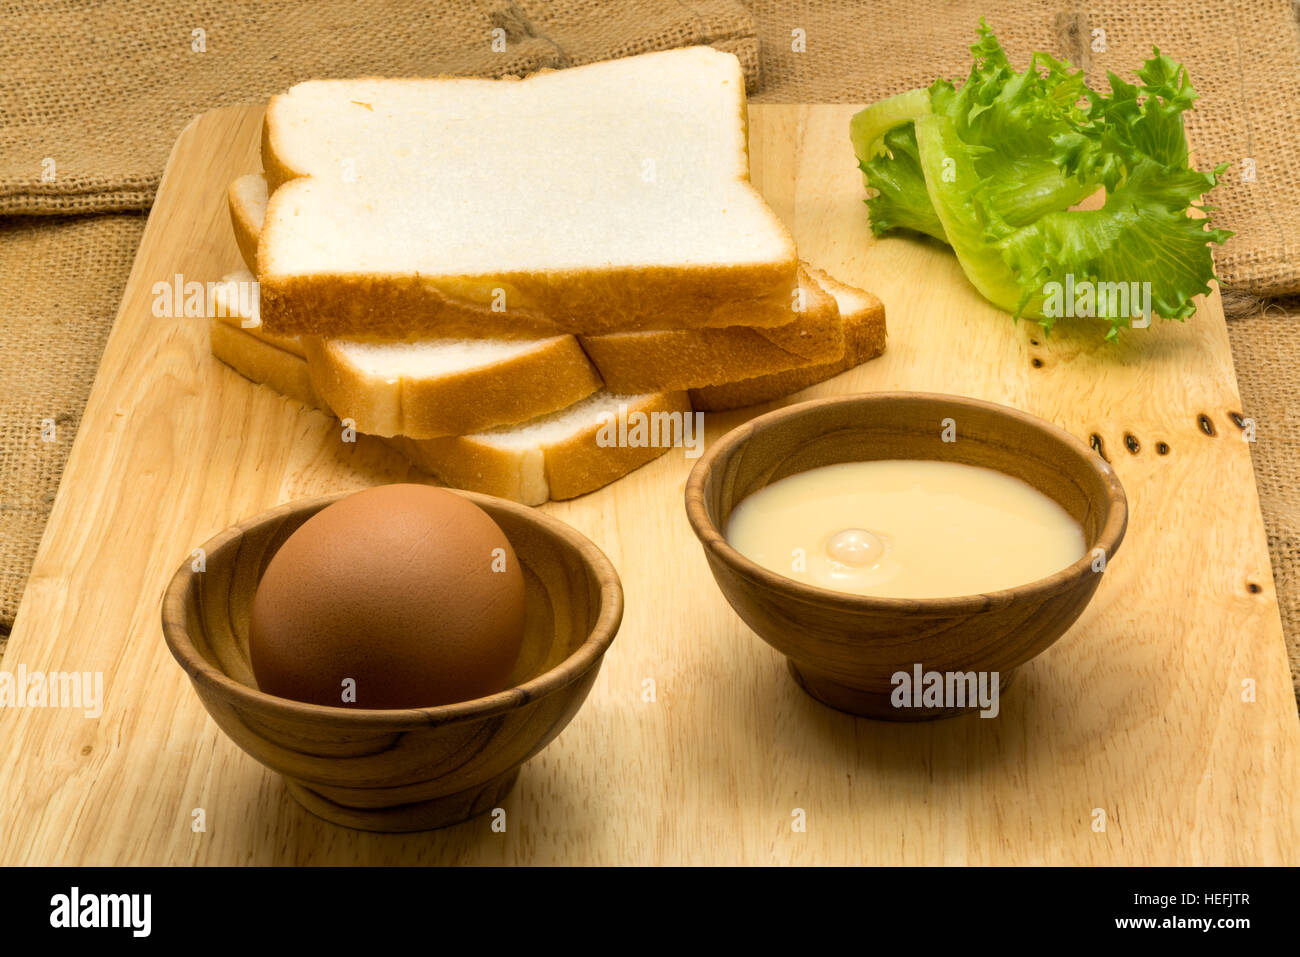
{"x":405,"y":767}
{"x":907,"y":552}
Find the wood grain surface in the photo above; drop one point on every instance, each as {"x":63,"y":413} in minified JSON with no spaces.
{"x":695,"y":746}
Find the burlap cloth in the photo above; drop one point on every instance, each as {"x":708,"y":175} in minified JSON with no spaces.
{"x":96,"y":94}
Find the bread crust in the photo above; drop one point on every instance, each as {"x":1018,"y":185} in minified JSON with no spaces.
{"x":275,"y":169}
{"x":671,"y":360}
{"x":580,"y":464}
{"x":397,"y":306}
{"x":549,"y":377}
{"x":864,"y":336}
{"x":262,"y":362}
{"x":229,"y":308}
{"x":245,"y":222}
{"x":479,"y":467}
{"x":561,"y":470}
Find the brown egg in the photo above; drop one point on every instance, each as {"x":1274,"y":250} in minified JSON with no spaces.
{"x":407,"y":596}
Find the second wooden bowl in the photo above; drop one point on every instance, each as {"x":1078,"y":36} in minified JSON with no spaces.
{"x":845,"y":649}
{"x":398,"y":770}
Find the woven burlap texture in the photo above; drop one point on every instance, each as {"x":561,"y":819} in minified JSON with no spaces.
{"x":60,"y":283}
{"x":1266,"y":352}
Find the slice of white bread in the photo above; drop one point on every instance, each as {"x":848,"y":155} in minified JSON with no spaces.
{"x":430,"y":387}
{"x":672,"y":359}
{"x":436,"y":387}
{"x":556,"y":456}
{"x":254,"y":357}
{"x":559,"y":456}
{"x":235,"y":301}
{"x":247,"y":200}
{"x":863,"y":318}
{"x":608,"y":197}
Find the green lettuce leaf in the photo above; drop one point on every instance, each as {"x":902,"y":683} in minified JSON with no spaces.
{"x":994,"y":166}
{"x":868,"y":127}
{"x":901,"y":200}
{"x":1016,"y":118}
{"x":1141,"y":254}
{"x":885,"y":145}
{"x":972,"y":229}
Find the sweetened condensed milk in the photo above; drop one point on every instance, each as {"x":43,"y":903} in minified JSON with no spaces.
{"x":906,"y":529}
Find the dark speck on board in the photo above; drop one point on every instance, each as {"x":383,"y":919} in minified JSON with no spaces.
{"x":1095,"y":441}
{"x":1254,"y":588}
{"x":1131,"y":443}
{"x":1038,"y":363}
{"x":1206,"y":425}
{"x":1238,"y":420}
{"x":1162,"y":448}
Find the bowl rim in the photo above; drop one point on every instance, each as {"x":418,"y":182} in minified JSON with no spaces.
{"x":574,"y":666}
{"x":1109,"y":537}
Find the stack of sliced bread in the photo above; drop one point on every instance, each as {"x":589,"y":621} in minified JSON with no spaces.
{"x":487,"y":273}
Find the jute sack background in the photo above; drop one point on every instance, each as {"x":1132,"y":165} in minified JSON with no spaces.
{"x":103,"y":94}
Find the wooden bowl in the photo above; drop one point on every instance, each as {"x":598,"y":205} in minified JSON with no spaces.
{"x":844,"y":649}
{"x":398,"y":770}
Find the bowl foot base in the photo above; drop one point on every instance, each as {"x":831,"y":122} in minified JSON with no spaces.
{"x":436,"y":812}
{"x":875,"y":704}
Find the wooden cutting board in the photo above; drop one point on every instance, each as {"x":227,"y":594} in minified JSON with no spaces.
{"x":1168,"y":706}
